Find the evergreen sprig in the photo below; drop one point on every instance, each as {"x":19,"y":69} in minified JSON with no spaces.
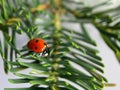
{"x":68,"y":47}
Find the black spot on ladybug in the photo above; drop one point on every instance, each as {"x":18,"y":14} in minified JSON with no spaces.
{"x":37,"y":41}
{"x":35,"y":48}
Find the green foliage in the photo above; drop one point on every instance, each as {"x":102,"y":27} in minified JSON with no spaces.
{"x":68,"y":47}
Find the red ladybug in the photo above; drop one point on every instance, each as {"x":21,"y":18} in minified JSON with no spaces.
{"x":38,"y":45}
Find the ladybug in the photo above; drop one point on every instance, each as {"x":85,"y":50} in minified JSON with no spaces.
{"x":38,"y":45}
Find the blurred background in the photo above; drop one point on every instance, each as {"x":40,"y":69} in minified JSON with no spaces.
{"x":112,"y":67}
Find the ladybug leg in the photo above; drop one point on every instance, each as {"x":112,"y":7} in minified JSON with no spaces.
{"x":38,"y":54}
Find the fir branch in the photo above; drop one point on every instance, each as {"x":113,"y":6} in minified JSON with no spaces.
{"x":67,"y":46}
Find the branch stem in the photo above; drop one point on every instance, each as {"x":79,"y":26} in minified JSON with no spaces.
{"x":56,"y":36}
